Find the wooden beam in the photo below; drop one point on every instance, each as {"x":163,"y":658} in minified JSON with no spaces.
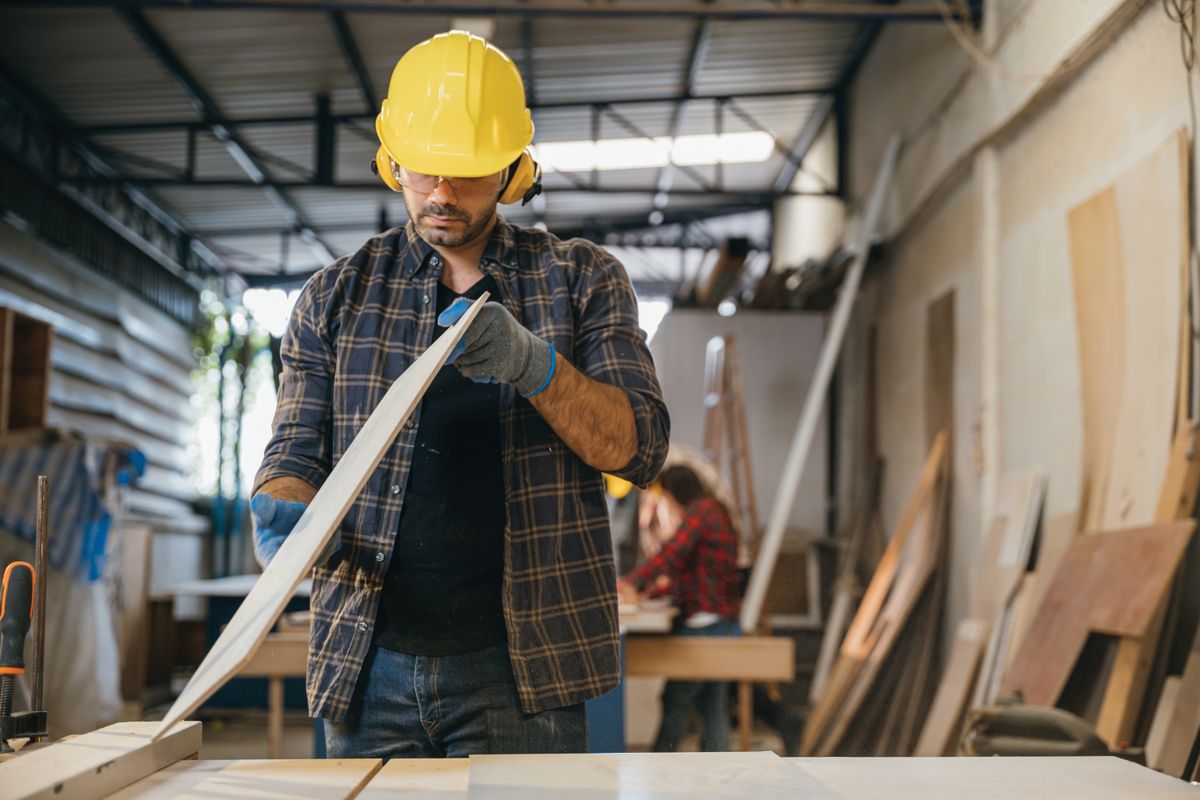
{"x":295,"y":559}
{"x":711,"y":658}
{"x":96,"y":764}
{"x":793,"y":470}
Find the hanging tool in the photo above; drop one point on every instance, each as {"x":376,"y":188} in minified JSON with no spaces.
{"x":16,"y":613}
{"x":21,"y":595}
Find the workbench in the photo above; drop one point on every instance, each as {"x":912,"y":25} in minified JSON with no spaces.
{"x":121,"y":762}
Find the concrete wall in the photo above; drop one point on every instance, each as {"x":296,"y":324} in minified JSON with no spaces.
{"x":778,"y":354}
{"x":992,"y":162}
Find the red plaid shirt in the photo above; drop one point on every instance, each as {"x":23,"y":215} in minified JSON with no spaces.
{"x":700,"y":563}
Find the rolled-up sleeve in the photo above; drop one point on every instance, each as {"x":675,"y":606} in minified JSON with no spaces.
{"x":300,"y":444}
{"x":611,"y":348}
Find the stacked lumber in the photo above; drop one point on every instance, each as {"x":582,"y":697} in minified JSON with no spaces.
{"x":882,"y":676}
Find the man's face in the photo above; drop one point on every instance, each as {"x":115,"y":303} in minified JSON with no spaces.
{"x":450,"y":213}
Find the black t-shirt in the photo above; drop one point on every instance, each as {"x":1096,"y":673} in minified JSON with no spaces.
{"x":441,"y":595}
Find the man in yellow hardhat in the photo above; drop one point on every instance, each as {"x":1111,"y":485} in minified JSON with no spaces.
{"x":469,"y":605}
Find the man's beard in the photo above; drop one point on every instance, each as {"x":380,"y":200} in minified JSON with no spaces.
{"x":459,"y":235}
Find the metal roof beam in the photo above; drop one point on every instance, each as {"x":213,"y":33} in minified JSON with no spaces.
{"x":354,"y":58}
{"x":237,"y":148}
{"x":630,"y":9}
{"x":310,"y":119}
{"x":691,"y":73}
{"x":816,"y":121}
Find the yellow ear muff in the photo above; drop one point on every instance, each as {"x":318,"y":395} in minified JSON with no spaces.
{"x":382,"y":166}
{"x":524,"y":181}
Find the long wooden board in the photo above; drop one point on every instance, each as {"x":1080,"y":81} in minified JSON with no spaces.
{"x":712,"y":658}
{"x":633,"y":776}
{"x":1183,"y":724}
{"x":949,"y":704}
{"x":96,"y":764}
{"x":299,"y":552}
{"x":256,"y":779}
{"x":1108,"y":582}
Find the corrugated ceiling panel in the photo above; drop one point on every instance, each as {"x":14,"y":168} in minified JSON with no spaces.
{"x":775,"y":54}
{"x":603,"y":59}
{"x":89,"y":64}
{"x":260,"y":62}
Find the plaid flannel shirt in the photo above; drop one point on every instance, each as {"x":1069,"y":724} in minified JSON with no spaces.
{"x":357,"y":325}
{"x":700,"y":562}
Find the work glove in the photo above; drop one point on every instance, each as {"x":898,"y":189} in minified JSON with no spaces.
{"x":498,"y":348}
{"x":273,"y":519}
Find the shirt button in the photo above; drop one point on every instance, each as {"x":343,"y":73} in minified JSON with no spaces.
{"x":362,"y":626}
{"x":395,"y":488}
{"x":435,"y":260}
{"x":410,"y":424}
{"x":425,"y":299}
{"x":379,"y":556}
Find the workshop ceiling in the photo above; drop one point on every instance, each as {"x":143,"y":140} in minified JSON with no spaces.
{"x":212,"y":107}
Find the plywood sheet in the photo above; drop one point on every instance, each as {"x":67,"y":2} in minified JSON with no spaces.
{"x":1162,"y":719}
{"x":255,"y":779}
{"x":1184,"y":721}
{"x":1084,"y":778}
{"x":712,"y":658}
{"x":1098,"y":278}
{"x":1129,"y":271}
{"x":424,"y":778}
{"x":944,"y":722}
{"x":1151,"y":208}
{"x":296,"y":557}
{"x":1108,"y":582}
{"x":96,"y":764}
{"x":866,"y":629}
{"x":635,"y":776}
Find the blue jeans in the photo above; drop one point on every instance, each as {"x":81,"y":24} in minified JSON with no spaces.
{"x":408,"y":706}
{"x":710,"y":698}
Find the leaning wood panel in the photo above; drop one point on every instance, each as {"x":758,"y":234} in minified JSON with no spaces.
{"x":1183,"y":723}
{"x":96,"y":764}
{"x":300,"y":549}
{"x":1098,"y":277}
{"x":1108,"y":582}
{"x":1152,"y":212}
{"x":712,"y":658}
{"x":945,"y":716}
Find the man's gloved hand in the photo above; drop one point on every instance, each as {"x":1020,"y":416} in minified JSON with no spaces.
{"x":498,"y":348}
{"x":273,"y":520}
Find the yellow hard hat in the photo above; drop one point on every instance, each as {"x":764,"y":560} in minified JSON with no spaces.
{"x":456,"y":108}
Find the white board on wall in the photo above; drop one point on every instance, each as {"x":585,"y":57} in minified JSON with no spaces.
{"x":778,"y":352}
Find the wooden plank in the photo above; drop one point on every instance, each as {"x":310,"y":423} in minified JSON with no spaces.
{"x":96,"y":764}
{"x":1098,"y":278}
{"x":133,"y":597}
{"x":1152,"y":212}
{"x":712,"y":658}
{"x":921,"y":564}
{"x":256,"y":779}
{"x":806,"y":428}
{"x":295,"y":559}
{"x":1167,"y":703}
{"x":1107,"y":582}
{"x":942,"y":726}
{"x":424,"y":778}
{"x":1084,"y":778}
{"x":628,"y":776}
{"x":1184,"y":721}
{"x":32,"y":340}
{"x":281,"y":655}
{"x":1182,"y":481}
{"x":862,"y":634}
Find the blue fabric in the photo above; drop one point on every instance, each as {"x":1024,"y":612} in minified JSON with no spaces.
{"x":81,"y":474}
{"x":407,"y":706}
{"x":709,"y":698}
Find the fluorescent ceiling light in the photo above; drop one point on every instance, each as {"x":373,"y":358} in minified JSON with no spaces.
{"x":747,"y":147}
